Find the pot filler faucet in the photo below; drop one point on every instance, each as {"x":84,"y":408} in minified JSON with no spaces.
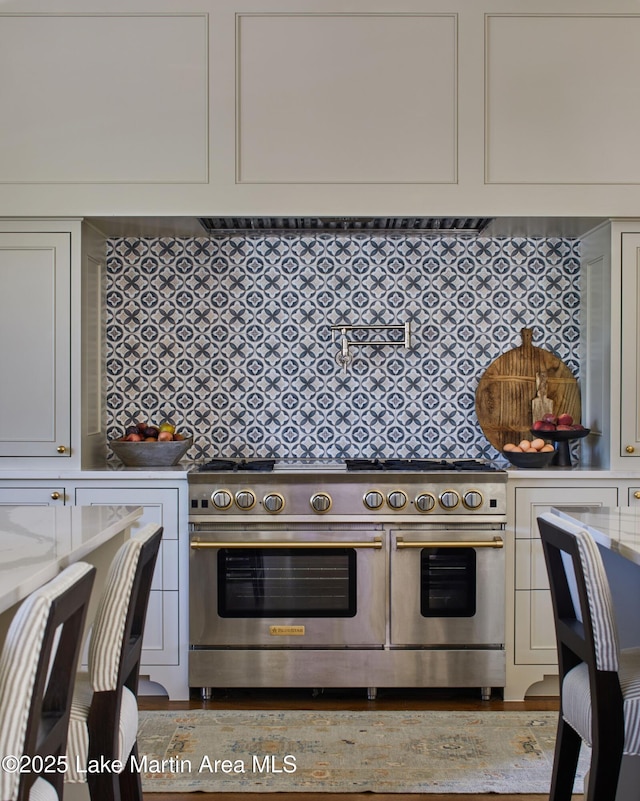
{"x":344,"y":357}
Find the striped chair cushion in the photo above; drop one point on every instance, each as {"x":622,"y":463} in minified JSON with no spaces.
{"x":108,"y":627}
{"x":576,"y":699}
{"x":18,"y":665}
{"x":78,"y":742}
{"x":605,"y":633}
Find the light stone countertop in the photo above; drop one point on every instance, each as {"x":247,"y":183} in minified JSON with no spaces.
{"x":616,"y":528}
{"x":36,"y":542}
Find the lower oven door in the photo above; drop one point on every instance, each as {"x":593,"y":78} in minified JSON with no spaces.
{"x":447,"y":588}
{"x":285,"y":590}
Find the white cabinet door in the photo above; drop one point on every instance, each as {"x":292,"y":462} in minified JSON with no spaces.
{"x":534,"y":628}
{"x":630,"y":347}
{"x":161,"y":640}
{"x":35,"y":332}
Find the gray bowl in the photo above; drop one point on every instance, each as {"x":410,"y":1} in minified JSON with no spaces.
{"x":529,"y":460}
{"x":151,"y":454}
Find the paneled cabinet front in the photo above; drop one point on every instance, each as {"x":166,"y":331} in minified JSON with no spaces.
{"x":630,"y":347}
{"x":51,"y":334}
{"x":281,"y":107}
{"x":534,"y":629}
{"x":161,"y":637}
{"x":35,"y":332}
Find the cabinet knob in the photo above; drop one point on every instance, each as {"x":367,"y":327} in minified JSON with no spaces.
{"x":630,"y":449}
{"x":637,"y":495}
{"x":61,"y":449}
{"x":55,"y":496}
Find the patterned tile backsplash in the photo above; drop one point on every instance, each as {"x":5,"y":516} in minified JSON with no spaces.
{"x":231,"y":339}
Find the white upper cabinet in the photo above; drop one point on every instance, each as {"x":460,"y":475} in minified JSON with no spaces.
{"x":51,"y":395}
{"x":630,"y":347}
{"x":35,"y":413}
{"x":316,"y":107}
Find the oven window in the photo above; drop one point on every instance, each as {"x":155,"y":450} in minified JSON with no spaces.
{"x":287,"y":582}
{"x":448,"y":582}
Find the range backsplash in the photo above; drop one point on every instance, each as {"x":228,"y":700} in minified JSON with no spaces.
{"x":231,"y":339}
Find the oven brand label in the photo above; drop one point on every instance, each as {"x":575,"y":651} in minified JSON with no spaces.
{"x":283,"y":631}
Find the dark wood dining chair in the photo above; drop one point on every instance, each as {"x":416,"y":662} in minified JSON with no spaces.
{"x":104,"y":713}
{"x":599,"y":682}
{"x":37,"y":671}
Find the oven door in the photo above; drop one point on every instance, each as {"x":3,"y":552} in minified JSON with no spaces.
{"x":447,"y":588}
{"x":282,"y":589}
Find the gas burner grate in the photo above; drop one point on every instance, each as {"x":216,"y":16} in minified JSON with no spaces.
{"x":225,"y":465}
{"x":421,"y":465}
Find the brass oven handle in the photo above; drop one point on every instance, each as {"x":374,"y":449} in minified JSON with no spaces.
{"x":496,"y":542}
{"x":377,"y":544}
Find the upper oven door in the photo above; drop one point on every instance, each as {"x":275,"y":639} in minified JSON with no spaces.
{"x":286,"y":589}
{"x":447,"y":588}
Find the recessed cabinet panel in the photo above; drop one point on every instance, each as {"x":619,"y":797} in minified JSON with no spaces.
{"x":35,"y":332}
{"x":630,"y":347}
{"x":561,"y":103}
{"x":346,"y":98}
{"x":535,"y":642}
{"x":104,"y":98}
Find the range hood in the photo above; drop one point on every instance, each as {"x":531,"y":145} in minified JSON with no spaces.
{"x":187,"y":227}
{"x":389,"y":226}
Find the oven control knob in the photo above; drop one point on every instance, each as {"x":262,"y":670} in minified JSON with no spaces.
{"x":425,"y":502}
{"x":449,"y":499}
{"x":245,"y":499}
{"x":472,"y":499}
{"x":221,"y":499}
{"x":397,"y":499}
{"x":373,"y":499}
{"x":273,"y":502}
{"x":320,"y":502}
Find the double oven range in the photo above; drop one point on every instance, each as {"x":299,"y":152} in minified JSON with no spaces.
{"x":362,"y":573}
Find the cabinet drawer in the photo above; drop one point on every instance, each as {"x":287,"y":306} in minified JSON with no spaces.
{"x":160,"y":505}
{"x":531,"y":503}
{"x":32,"y":496}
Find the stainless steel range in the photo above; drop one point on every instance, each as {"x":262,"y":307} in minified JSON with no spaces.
{"x":364,"y":573}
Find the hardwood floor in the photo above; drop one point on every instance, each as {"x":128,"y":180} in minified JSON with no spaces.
{"x":350,"y":700}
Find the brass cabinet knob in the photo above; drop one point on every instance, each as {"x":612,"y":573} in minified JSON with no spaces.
{"x":61,"y":449}
{"x":636,"y":494}
{"x":55,"y":496}
{"x":630,"y":449}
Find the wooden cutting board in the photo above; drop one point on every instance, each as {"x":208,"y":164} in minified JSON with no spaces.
{"x":508,"y":385}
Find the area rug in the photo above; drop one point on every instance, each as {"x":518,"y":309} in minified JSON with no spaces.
{"x":341,"y":752}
